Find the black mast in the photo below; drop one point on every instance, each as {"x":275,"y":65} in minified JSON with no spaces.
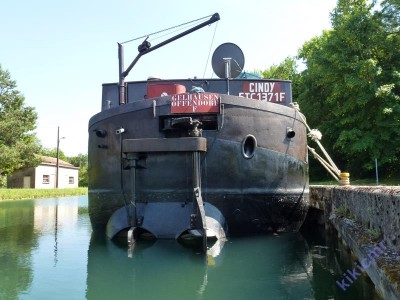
{"x":145,"y":48}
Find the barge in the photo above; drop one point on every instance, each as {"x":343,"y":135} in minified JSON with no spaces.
{"x":197,"y":157}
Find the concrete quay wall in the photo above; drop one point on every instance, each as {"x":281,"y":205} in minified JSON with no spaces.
{"x":365,"y":217}
{"x":377,"y":209}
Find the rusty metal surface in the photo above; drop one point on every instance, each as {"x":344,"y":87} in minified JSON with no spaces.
{"x":268,"y":122}
{"x":267,"y":192}
{"x":184,"y":144}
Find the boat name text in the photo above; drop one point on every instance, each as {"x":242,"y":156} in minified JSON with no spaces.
{"x":267,"y":91}
{"x":195,"y":103}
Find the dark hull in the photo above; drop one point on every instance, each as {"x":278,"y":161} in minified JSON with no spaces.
{"x":267,"y":192}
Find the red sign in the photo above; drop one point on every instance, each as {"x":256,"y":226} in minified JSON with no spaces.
{"x":195,"y":103}
{"x":267,"y":91}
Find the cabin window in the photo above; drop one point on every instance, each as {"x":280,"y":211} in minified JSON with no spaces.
{"x":46,"y":179}
{"x":71,"y":180}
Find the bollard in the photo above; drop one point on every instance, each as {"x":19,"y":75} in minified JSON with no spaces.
{"x":344,"y":179}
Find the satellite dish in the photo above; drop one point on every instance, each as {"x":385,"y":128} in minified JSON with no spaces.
{"x":227,"y":61}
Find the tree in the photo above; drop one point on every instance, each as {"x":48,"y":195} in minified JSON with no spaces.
{"x":52,"y":152}
{"x":390,"y":15}
{"x":350,"y":88}
{"x":286,"y":70}
{"x":81,"y":161}
{"x":18,"y":143}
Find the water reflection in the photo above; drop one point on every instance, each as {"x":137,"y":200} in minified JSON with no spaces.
{"x":47,"y":251}
{"x":287,"y":266}
{"x":273,"y":267}
{"x":54,"y":213}
{"x":35,"y":236}
{"x":330,"y":259}
{"x":18,"y":238}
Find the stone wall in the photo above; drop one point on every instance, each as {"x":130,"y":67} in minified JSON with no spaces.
{"x":365,"y":217}
{"x":377,"y":209}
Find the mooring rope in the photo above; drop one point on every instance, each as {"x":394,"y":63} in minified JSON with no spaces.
{"x":328,"y":164}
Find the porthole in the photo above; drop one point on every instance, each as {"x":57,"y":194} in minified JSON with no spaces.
{"x":101,"y":133}
{"x":249,"y":146}
{"x":290,"y":133}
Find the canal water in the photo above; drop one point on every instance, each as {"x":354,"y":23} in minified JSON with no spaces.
{"x":48,"y":251}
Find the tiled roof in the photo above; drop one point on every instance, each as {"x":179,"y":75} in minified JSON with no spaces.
{"x":47,"y":160}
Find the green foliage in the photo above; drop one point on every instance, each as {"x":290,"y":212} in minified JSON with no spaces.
{"x":286,"y":70}
{"x":17,"y":121}
{"x":390,"y":15}
{"x":19,"y":194}
{"x":341,"y":211}
{"x":351,"y":85}
{"x":3,"y":181}
{"x":52,"y":152}
{"x":83,"y":175}
{"x":374,"y":233}
{"x":81,"y":161}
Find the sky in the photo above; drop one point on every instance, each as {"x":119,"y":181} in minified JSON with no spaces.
{"x":61,"y":52}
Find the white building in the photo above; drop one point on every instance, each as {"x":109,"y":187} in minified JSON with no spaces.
{"x":44,"y":175}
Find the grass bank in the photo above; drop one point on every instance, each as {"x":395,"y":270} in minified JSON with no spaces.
{"x":366,"y":182}
{"x":20,"y":194}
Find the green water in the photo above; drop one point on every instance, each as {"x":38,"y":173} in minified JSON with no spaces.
{"x":47,"y":251}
